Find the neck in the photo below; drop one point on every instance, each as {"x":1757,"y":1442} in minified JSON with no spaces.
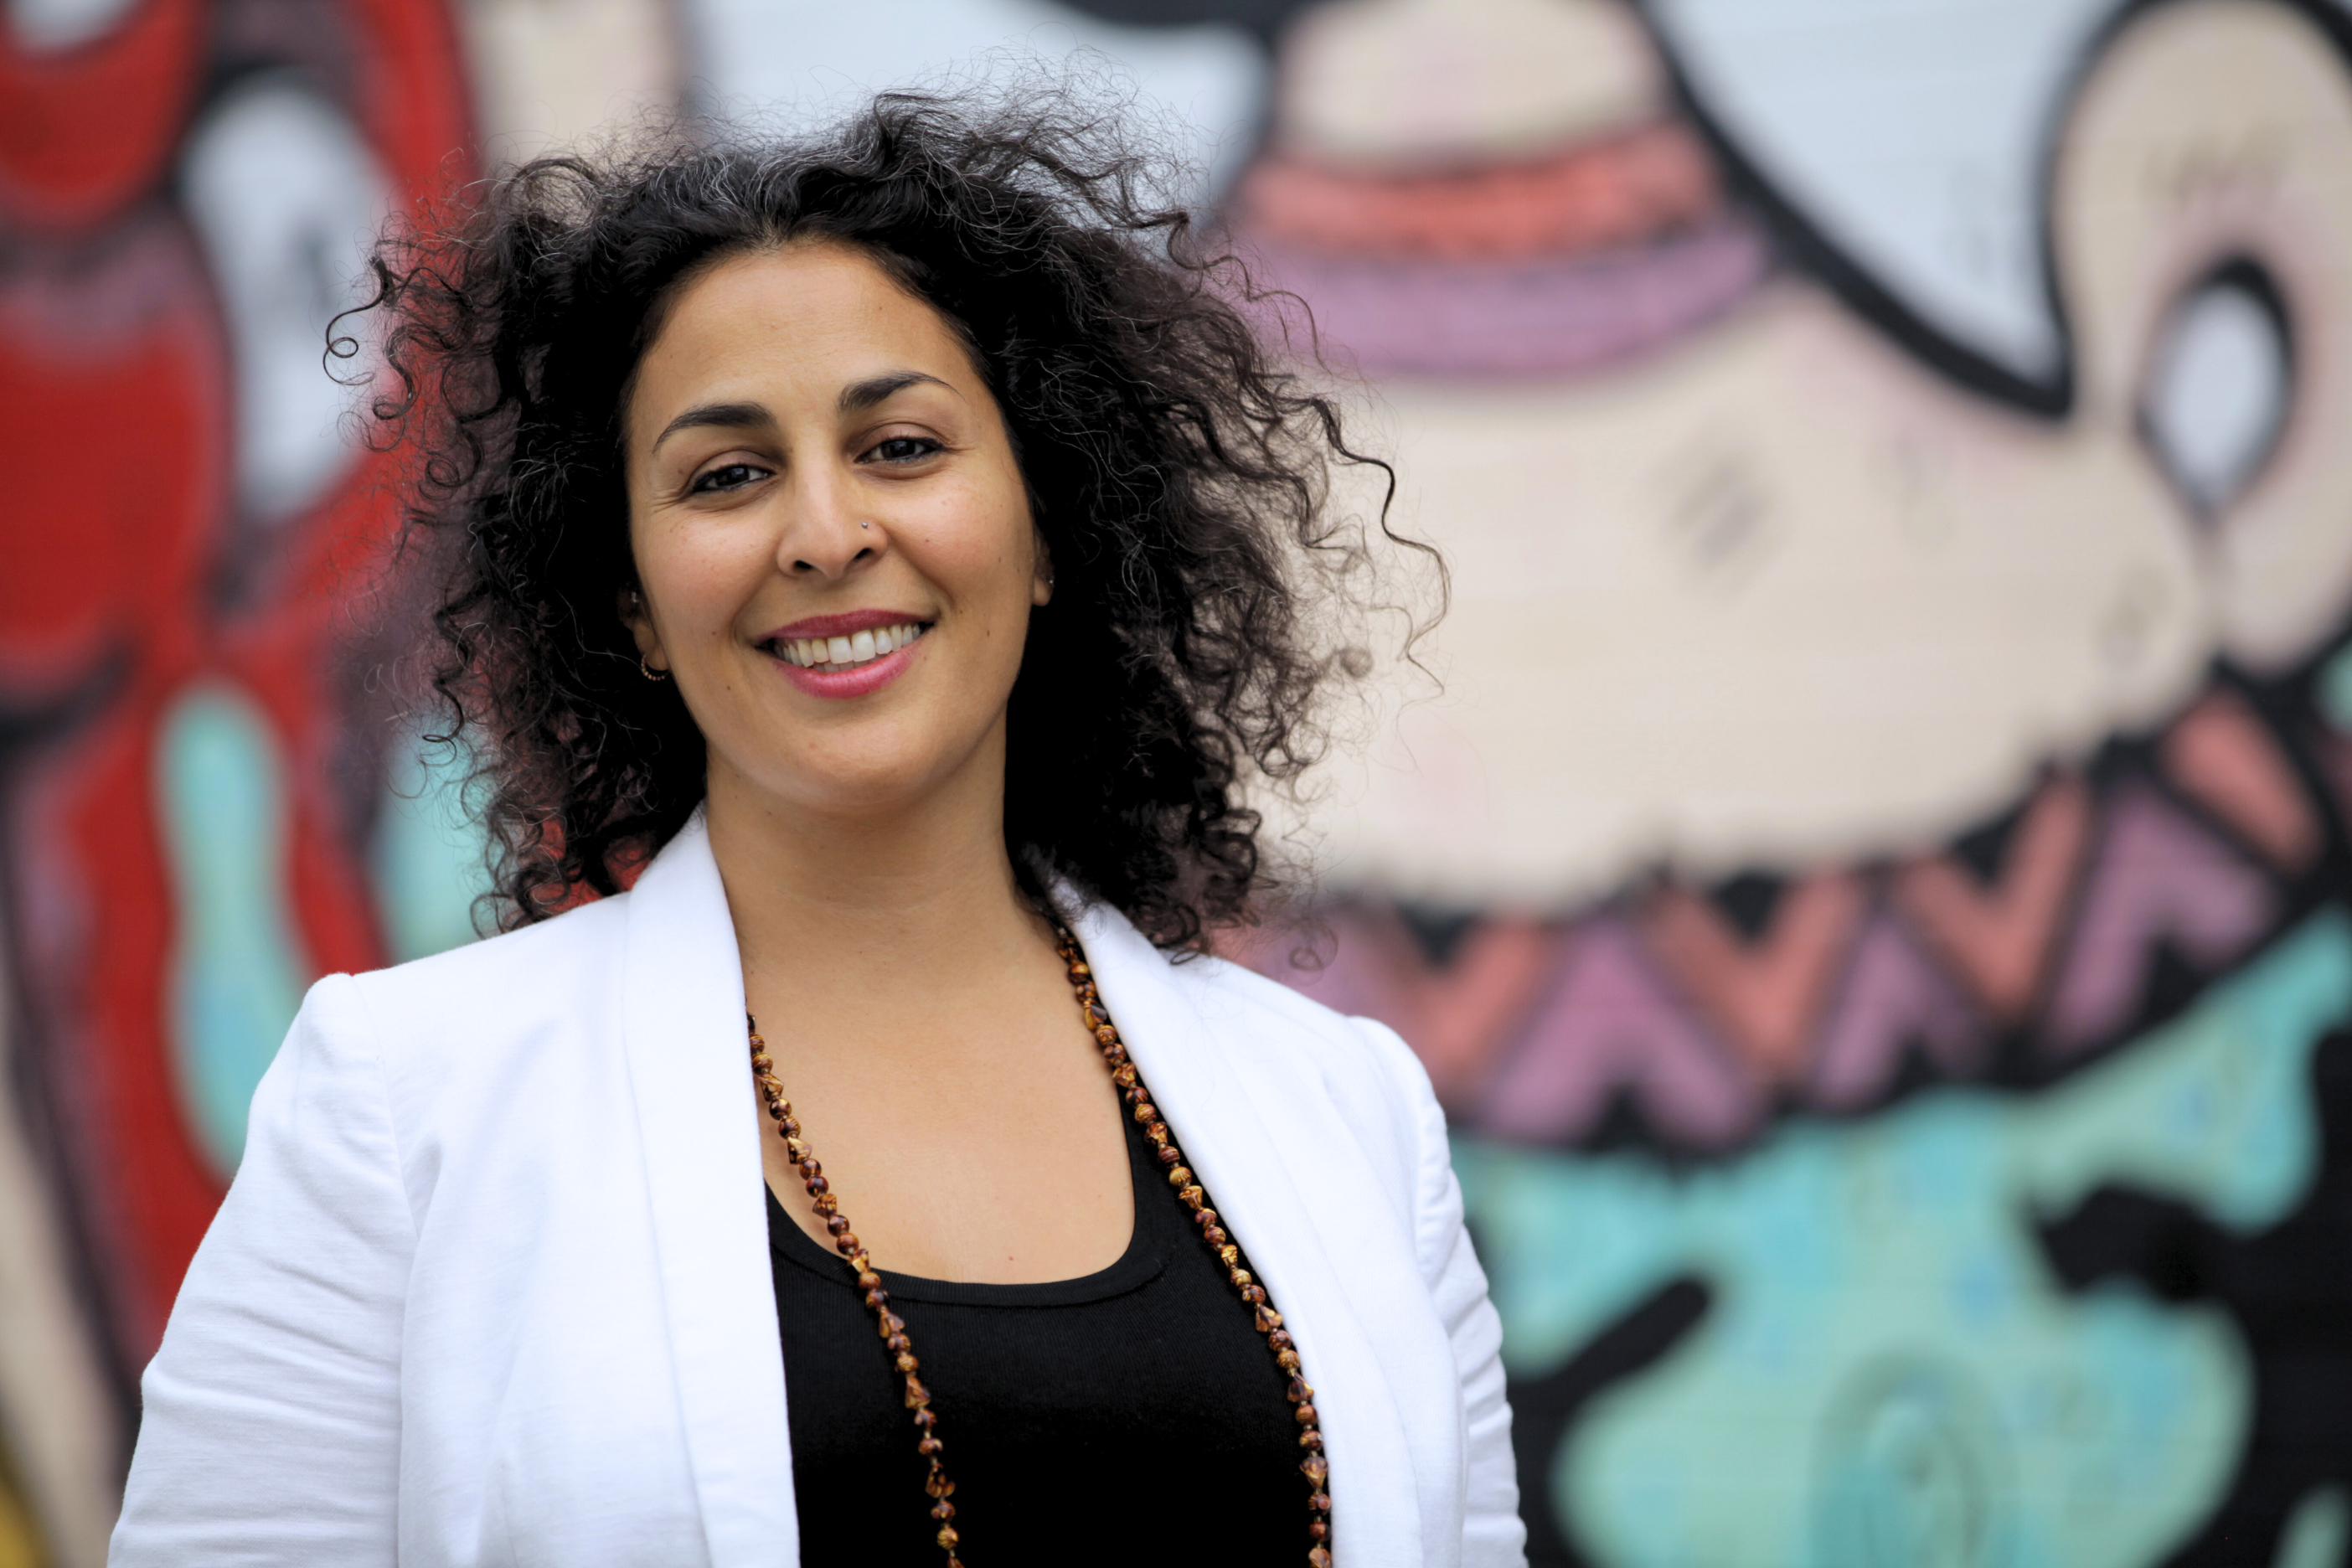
{"x":833,"y":902}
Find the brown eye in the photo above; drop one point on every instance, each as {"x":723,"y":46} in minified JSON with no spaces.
{"x":728,"y":476}
{"x":904,"y":450}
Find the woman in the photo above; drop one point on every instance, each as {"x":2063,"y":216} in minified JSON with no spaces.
{"x":886,"y":552}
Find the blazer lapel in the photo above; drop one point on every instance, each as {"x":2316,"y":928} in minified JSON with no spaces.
{"x":1238,"y":1147}
{"x":689,"y":1072}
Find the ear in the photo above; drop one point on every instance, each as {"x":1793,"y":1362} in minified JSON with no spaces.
{"x":637,"y":615}
{"x":1041,"y":580}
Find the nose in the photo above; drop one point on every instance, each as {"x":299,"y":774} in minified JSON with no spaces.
{"x":828,"y":533}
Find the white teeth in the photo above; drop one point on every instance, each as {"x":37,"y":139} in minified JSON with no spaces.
{"x":842,"y":653}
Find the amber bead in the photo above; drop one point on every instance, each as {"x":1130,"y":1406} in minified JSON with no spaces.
{"x":1228,"y":1253}
{"x":845,"y":1243}
{"x":1320,"y":1503}
{"x":917,"y":1395}
{"x":1303,"y":1414}
{"x":1268,"y":1318}
{"x":818,"y":1187}
{"x":929,"y":1445}
{"x":925,"y":1419}
{"x":948,"y":1536}
{"x":762,"y":1062}
{"x":838,"y":1223}
{"x":878,"y":1300}
{"x":1317,"y":1467}
{"x":937,"y":1483}
{"x":870,"y":1280}
{"x":892,"y":1323}
{"x":1279,"y":1340}
{"x":1167,"y":1155}
{"x":808,"y":1168}
{"x":1317,"y":1530}
{"x":1253,"y":1294}
{"x":896,"y":1342}
{"x":1240,"y":1276}
{"x":1287,"y":1360}
{"x":1204,"y":1218}
{"x":826,"y":1204}
{"x":943,"y":1510}
{"x":1115,"y":1055}
{"x":1318,"y":1558}
{"x":1125,"y":1075}
{"x":905,"y":1362}
{"x":1298,"y":1393}
{"x":1311,"y":1438}
{"x":1191,"y":1197}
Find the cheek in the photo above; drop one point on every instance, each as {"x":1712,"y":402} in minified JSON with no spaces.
{"x":990,"y":546}
{"x":697,"y":580}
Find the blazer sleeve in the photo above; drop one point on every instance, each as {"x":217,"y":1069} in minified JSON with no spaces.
{"x":1492,"y":1534}
{"x":271,"y":1425}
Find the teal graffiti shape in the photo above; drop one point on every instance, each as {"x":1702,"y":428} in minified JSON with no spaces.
{"x":1889,"y":1376}
{"x":431,"y":858}
{"x":236,"y":970}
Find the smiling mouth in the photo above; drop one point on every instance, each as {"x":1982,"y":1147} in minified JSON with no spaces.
{"x":849,"y":652}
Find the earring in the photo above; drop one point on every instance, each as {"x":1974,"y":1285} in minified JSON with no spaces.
{"x":648,"y":671}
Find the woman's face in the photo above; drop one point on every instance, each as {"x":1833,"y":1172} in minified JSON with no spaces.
{"x":831,"y":532}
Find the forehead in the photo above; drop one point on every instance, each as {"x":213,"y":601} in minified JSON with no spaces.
{"x":806,"y":317}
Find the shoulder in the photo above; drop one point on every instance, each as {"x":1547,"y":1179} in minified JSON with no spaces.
{"x":1368,"y":1072}
{"x":509,"y":986}
{"x":1264,"y":1023}
{"x":1273,"y":1017}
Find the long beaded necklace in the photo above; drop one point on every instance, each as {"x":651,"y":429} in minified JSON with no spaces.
{"x":893,"y":1328}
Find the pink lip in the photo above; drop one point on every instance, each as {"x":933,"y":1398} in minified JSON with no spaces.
{"x":869,"y":677}
{"x":844,"y":683}
{"x":848,"y":625}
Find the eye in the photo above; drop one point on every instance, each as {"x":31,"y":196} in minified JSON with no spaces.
{"x":903,"y":449}
{"x":727,"y":477}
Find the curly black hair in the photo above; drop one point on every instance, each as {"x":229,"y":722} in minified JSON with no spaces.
{"x":1179,"y":470}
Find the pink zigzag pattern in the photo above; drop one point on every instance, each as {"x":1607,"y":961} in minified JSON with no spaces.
{"x":1533,"y":1030}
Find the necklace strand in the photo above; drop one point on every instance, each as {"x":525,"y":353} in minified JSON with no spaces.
{"x":893,"y":1328}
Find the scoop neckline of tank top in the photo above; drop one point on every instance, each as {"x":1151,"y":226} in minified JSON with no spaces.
{"x":1145,"y":1260}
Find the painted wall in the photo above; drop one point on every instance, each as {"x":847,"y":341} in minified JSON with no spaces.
{"x":1871,"y":888}
{"x":1872,"y":892}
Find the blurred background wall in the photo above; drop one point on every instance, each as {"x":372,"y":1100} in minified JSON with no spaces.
{"x":1872,"y":890}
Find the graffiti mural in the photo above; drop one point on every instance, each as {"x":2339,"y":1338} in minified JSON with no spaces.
{"x":188,"y":749}
{"x":1874,"y":891}
{"x":1872,"y":883}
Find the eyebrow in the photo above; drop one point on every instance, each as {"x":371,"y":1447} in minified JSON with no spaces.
{"x":855,"y":398}
{"x":861,"y":395}
{"x":707,"y":416}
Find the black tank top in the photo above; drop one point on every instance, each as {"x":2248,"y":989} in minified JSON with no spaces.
{"x":1132,"y":1415}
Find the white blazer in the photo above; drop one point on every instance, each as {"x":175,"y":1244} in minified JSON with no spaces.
{"x":492,"y":1285}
